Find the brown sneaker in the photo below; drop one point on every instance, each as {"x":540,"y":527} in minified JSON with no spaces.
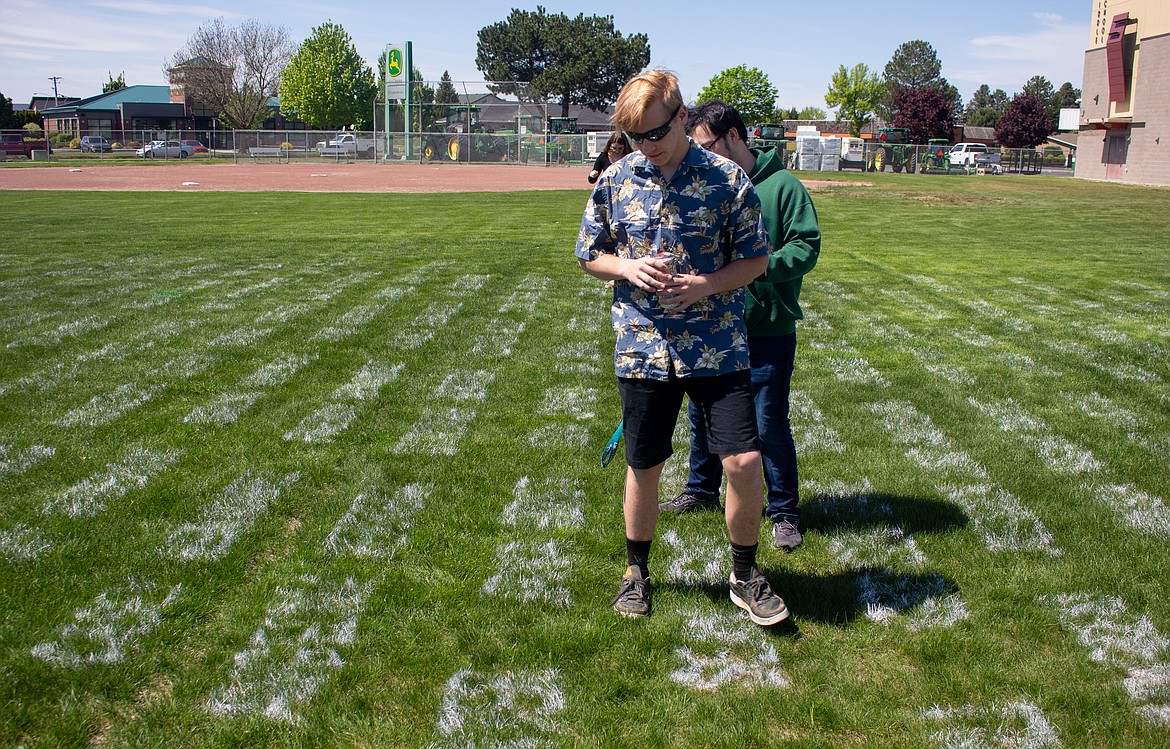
{"x":755,"y":596}
{"x":633,"y":599}
{"x":689,"y":503}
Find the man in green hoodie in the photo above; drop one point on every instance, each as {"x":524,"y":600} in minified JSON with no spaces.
{"x":772,"y":311}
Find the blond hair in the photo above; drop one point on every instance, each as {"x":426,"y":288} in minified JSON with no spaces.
{"x":641,"y":92}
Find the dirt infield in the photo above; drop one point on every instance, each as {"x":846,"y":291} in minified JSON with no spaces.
{"x":325,"y":177}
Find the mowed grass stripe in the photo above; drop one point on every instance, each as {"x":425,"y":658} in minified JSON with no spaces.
{"x":410,"y":648}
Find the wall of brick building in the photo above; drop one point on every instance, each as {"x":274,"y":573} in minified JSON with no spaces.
{"x":1148,"y":154}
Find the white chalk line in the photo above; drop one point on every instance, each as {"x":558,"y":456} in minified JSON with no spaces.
{"x":376,"y":524}
{"x":1011,"y":725}
{"x":294,"y":650}
{"x":88,"y":497}
{"x":224,"y":410}
{"x":114,"y":625}
{"x":349,"y":324}
{"x":426,"y":326}
{"x":883,"y":554}
{"x":438,"y":431}
{"x":103,"y":409}
{"x":574,"y":402}
{"x":697,"y":560}
{"x":64,"y":331}
{"x":1104,"y":625}
{"x":996,"y":514}
{"x":465,"y":385}
{"x":330,"y":420}
{"x":528,"y":292}
{"x":1061,"y":455}
{"x":278,"y":371}
{"x":467,"y":286}
{"x":230,"y":516}
{"x":564,"y":435}
{"x":1138,"y":509}
{"x":530,"y":570}
{"x":545,"y":505}
{"x":499,"y":339}
{"x":809,"y":429}
{"x":725,"y":649}
{"x":16,"y":460}
{"x":517,"y":709}
{"x":20,"y":543}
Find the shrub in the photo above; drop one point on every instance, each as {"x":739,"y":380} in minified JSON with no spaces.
{"x":286,"y":146}
{"x":134,"y":144}
{"x":75,"y":143}
{"x":62,"y":139}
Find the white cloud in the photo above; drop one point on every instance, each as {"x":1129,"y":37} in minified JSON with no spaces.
{"x":164,"y":9}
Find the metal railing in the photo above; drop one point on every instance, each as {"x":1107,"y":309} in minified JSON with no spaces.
{"x":292,"y":146}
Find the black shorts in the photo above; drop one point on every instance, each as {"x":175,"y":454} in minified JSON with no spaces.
{"x":650,"y":409}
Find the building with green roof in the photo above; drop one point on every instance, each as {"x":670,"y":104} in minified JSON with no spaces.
{"x":131,"y":108}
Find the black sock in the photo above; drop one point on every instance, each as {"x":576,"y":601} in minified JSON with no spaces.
{"x":743,"y":558}
{"x":638,"y":555}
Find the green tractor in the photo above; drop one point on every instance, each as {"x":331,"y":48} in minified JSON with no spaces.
{"x":935,"y":159}
{"x":556,"y":150}
{"x":892,"y":147}
{"x":461,"y":137}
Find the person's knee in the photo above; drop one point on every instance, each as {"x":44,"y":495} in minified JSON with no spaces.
{"x":742,"y":464}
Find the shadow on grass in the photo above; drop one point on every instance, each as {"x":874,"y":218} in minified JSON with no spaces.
{"x":839,"y":598}
{"x":829,"y":513}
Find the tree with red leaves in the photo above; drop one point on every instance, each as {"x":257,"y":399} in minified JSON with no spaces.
{"x":926,"y":112}
{"x":1025,"y":124}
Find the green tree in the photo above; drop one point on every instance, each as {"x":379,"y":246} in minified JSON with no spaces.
{"x":232,"y":70}
{"x":583,"y":60}
{"x":856,"y":93}
{"x":914,"y":64}
{"x":811,"y":113}
{"x":327,"y":83}
{"x":781,"y":114}
{"x":746,"y":89}
{"x":114,"y":84}
{"x":7,"y":118}
{"x":985,"y":107}
{"x":446,"y":93}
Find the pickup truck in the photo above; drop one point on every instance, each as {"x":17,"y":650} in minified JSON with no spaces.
{"x":14,"y":144}
{"x":348,"y":144}
{"x":970,"y":155}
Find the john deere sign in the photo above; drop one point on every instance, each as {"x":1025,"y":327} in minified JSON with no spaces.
{"x":395,"y":72}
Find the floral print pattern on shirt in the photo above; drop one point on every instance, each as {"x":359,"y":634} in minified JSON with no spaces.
{"x":707,"y":216}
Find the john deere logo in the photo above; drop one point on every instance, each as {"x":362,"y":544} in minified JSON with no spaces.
{"x":395,"y":63}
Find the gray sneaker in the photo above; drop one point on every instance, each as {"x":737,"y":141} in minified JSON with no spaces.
{"x":689,"y":503}
{"x":633,"y":600}
{"x":756,"y":597}
{"x":786,"y":535}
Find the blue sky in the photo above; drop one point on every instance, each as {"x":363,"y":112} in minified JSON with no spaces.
{"x":799,"y":45}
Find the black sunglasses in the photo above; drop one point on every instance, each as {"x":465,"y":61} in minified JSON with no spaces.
{"x":708,"y":146}
{"x":657,"y":133}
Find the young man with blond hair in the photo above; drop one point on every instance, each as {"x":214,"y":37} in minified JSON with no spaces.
{"x":679,"y":232}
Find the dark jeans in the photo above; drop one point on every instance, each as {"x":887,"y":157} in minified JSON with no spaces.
{"x":772,"y":360}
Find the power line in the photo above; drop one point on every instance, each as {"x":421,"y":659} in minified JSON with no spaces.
{"x":54,"y":79}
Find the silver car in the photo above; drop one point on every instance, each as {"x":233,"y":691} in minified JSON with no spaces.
{"x":164,"y":149}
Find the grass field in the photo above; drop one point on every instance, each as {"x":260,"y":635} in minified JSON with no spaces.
{"x":322,"y":470}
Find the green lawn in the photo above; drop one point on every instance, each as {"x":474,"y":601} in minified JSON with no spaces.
{"x":322,"y":470}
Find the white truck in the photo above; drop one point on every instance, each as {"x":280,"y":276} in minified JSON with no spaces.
{"x":348,"y":144}
{"x":972,"y":155}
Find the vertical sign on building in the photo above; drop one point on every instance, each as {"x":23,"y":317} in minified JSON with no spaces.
{"x":398,"y":81}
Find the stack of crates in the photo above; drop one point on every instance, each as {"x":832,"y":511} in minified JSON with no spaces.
{"x":830,"y":154}
{"x":808,"y":148}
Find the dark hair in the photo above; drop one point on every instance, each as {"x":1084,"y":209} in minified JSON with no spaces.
{"x":719,"y":117}
{"x":617,"y":140}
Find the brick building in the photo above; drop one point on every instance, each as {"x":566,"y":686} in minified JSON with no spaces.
{"x":1125,"y":104}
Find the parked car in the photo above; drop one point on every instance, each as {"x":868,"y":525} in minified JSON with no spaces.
{"x":95,"y":144}
{"x":164,"y":149}
{"x":964,"y":154}
{"x":196,"y":146}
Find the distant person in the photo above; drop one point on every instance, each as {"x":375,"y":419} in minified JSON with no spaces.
{"x":773,"y":308}
{"x":615,"y":148}
{"x":679,"y":231}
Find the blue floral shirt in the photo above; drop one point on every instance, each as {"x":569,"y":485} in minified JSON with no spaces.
{"x":706,"y":217}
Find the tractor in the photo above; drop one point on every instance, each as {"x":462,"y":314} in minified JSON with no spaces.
{"x":461,"y":137}
{"x":935,"y":157}
{"x":892,"y":147}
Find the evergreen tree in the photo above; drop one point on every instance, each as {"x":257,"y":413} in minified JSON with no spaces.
{"x":7,"y":118}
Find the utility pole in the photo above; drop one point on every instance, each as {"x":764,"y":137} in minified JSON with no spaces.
{"x":54,"y":79}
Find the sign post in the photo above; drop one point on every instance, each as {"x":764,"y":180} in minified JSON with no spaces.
{"x":398,"y":84}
